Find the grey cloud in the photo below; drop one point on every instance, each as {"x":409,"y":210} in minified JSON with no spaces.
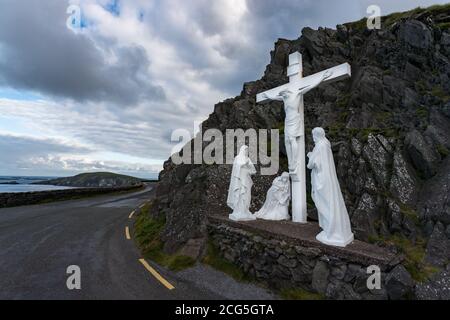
{"x":31,"y":156}
{"x":14,"y":148}
{"x":73,"y":166}
{"x":39,"y":53}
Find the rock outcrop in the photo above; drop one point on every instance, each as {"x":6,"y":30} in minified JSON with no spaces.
{"x":389,"y":126}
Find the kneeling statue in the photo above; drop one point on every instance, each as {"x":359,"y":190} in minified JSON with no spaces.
{"x":276,"y":207}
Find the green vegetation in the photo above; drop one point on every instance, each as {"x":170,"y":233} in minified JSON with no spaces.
{"x":300,"y":294}
{"x":339,"y":130}
{"x":410,"y":213}
{"x":343,"y":101}
{"x":280,"y":127}
{"x":343,"y":116}
{"x":214,"y":259}
{"x":387,"y":132}
{"x":421,"y":86}
{"x":147,"y":235}
{"x":393,"y":18}
{"x":443,"y":151}
{"x":422,"y":112}
{"x":439,"y":92}
{"x":334,"y":131}
{"x":414,"y":255}
{"x":357,"y":25}
{"x":397,"y":16}
{"x":444,"y":25}
{"x":438,"y":8}
{"x":383,"y":116}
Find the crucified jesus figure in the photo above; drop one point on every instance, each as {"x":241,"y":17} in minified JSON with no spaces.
{"x":294,"y":122}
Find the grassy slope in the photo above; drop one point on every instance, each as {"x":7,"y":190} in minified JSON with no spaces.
{"x":147,"y":235}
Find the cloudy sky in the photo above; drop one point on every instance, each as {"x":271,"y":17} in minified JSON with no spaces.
{"x":107,"y":96}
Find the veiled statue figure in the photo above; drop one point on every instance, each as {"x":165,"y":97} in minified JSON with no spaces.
{"x":276,"y":206}
{"x":327,"y":195}
{"x":239,"y":193}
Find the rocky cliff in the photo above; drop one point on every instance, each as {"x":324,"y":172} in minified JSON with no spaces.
{"x":389,"y":126}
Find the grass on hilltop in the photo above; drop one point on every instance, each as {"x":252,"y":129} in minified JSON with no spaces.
{"x":392,"y":18}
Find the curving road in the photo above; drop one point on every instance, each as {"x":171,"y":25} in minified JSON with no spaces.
{"x":38,"y":243}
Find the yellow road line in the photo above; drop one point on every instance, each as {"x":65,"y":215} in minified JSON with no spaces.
{"x":142,"y":205}
{"x":127,"y":233}
{"x":131,"y":215}
{"x":156,"y":275}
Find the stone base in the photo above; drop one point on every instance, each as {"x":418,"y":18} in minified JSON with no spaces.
{"x":286,"y":254}
{"x":239,"y":217}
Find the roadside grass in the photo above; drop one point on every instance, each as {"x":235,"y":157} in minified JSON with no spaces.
{"x":215,"y":260}
{"x":148,"y":238}
{"x":300,"y":294}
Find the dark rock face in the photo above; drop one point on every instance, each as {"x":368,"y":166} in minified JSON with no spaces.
{"x":435,"y":200}
{"x":320,"y":277}
{"x":438,"y":249}
{"x":437,"y":288}
{"x":389,"y":126}
{"x":399,"y":283}
{"x":424,"y":157}
{"x":416,"y":34}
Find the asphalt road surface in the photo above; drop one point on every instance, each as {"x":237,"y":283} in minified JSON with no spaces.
{"x":38,"y":243}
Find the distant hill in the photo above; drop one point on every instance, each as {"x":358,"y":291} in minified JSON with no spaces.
{"x":95,"y":180}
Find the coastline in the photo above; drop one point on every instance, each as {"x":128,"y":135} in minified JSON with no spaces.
{"x":17,"y":199}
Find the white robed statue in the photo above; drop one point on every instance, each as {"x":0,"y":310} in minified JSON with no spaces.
{"x":276,"y":206}
{"x":239,"y":193}
{"x":327,"y":195}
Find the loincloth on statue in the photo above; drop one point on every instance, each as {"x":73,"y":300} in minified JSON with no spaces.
{"x":293,"y":127}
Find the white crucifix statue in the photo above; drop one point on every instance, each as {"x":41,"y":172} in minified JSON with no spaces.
{"x":292,"y":96}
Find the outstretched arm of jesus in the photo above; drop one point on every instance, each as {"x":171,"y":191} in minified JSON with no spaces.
{"x":325,"y":76}
{"x":269,"y":96}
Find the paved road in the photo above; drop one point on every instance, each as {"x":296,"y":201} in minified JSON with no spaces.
{"x":38,"y":243}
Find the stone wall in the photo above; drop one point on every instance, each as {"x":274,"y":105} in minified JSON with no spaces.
{"x":29,"y":198}
{"x":283,"y":262}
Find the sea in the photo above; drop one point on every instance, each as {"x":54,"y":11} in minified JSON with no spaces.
{"x":13,"y":184}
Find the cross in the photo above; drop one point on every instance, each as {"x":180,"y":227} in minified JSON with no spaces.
{"x":296,"y":83}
